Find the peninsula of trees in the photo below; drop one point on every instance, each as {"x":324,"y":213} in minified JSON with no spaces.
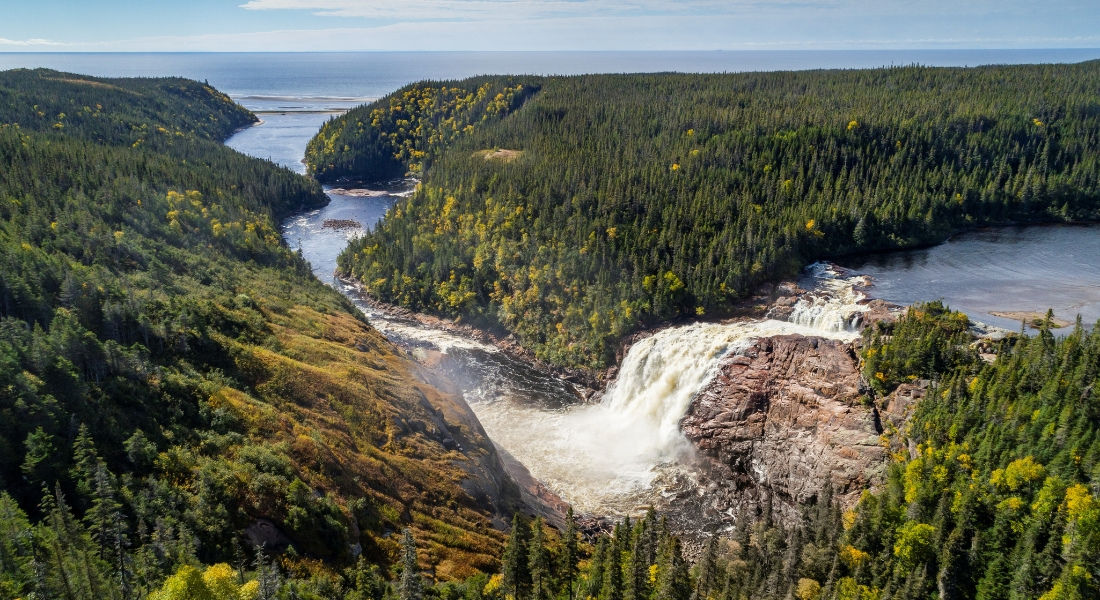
{"x":572,"y":211}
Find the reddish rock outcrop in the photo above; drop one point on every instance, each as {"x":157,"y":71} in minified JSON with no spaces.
{"x":782,"y":419}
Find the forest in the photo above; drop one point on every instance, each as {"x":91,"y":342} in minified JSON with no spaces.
{"x":991,"y":493}
{"x":573,"y":211}
{"x":172,"y":376}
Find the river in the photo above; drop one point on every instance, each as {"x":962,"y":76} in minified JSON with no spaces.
{"x":611,"y":457}
{"x":995,"y":275}
{"x":625,"y":452}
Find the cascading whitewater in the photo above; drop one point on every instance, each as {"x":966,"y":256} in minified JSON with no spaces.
{"x":606,"y":457}
{"x":609,"y":457}
{"x":833,"y":303}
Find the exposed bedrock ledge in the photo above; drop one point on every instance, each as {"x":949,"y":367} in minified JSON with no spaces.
{"x":783,"y":419}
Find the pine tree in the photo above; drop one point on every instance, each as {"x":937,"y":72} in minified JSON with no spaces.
{"x":77,"y":569}
{"x":650,"y":535}
{"x":706,"y":580}
{"x":85,"y":464}
{"x":570,"y":553}
{"x":367,"y":581}
{"x":953,"y":579}
{"x":637,"y":581}
{"x":103,"y":518}
{"x":673,"y":579}
{"x":267,"y":576}
{"x":596,"y":568}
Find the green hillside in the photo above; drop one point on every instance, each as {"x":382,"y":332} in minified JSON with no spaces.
{"x":172,"y":376}
{"x":575,"y":210}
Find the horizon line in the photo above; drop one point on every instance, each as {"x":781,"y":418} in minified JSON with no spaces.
{"x":604,"y":51}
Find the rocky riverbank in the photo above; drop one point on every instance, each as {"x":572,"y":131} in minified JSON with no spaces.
{"x":771,"y":301}
{"x":587,"y":382}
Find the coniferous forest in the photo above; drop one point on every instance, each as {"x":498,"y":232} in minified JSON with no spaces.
{"x":572,"y":211}
{"x":173,"y":379}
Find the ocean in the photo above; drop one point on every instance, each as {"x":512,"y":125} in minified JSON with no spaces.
{"x":318,"y":81}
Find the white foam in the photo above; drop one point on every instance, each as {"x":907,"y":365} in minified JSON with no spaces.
{"x":612,"y":456}
{"x":607,"y":457}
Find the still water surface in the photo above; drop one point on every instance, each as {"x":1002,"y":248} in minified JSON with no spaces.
{"x":1010,"y":269}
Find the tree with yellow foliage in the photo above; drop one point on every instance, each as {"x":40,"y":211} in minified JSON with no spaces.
{"x":216,"y":582}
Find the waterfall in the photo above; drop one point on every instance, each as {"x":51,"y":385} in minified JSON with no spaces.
{"x":608,"y":457}
{"x":616,"y":455}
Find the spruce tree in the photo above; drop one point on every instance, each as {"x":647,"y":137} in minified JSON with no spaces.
{"x":613,"y":568}
{"x":538,"y":563}
{"x":517,"y":577}
{"x":410,"y":587}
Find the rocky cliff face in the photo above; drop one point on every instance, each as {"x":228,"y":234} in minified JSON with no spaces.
{"x":782,"y":420}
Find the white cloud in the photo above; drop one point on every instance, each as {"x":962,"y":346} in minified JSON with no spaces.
{"x":434,"y":10}
{"x":30,"y":43}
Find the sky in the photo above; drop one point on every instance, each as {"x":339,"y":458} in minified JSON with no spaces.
{"x":351,"y":25}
